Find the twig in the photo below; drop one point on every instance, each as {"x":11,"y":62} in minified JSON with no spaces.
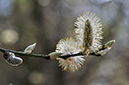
{"x":39,"y":55}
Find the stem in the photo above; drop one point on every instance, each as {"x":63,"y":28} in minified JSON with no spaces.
{"x":42,"y":55}
{"x":22,"y":53}
{"x":66,"y":56}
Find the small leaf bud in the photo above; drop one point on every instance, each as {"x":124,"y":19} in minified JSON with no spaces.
{"x":103,"y":52}
{"x":55,"y":55}
{"x":109,"y":43}
{"x":30,"y":48}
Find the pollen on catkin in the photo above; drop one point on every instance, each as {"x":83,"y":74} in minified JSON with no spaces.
{"x":88,"y":31}
{"x":69,"y":46}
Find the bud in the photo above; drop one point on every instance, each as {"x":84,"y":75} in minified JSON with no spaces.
{"x":109,"y":44}
{"x":30,"y":48}
{"x":103,"y":52}
{"x":55,"y":55}
{"x":12,"y":59}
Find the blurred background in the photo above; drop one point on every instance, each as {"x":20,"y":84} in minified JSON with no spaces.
{"x":24,"y":22}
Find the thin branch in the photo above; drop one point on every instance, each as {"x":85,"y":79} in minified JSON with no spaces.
{"x":22,"y":53}
{"x":41,"y":55}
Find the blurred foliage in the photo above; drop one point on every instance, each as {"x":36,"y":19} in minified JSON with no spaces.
{"x":23,"y":22}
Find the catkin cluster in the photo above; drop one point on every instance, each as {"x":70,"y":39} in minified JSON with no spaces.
{"x":88,"y":36}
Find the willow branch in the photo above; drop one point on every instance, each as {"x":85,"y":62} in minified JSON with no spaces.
{"x":22,"y":53}
{"x":39,"y":55}
{"x":105,"y":48}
